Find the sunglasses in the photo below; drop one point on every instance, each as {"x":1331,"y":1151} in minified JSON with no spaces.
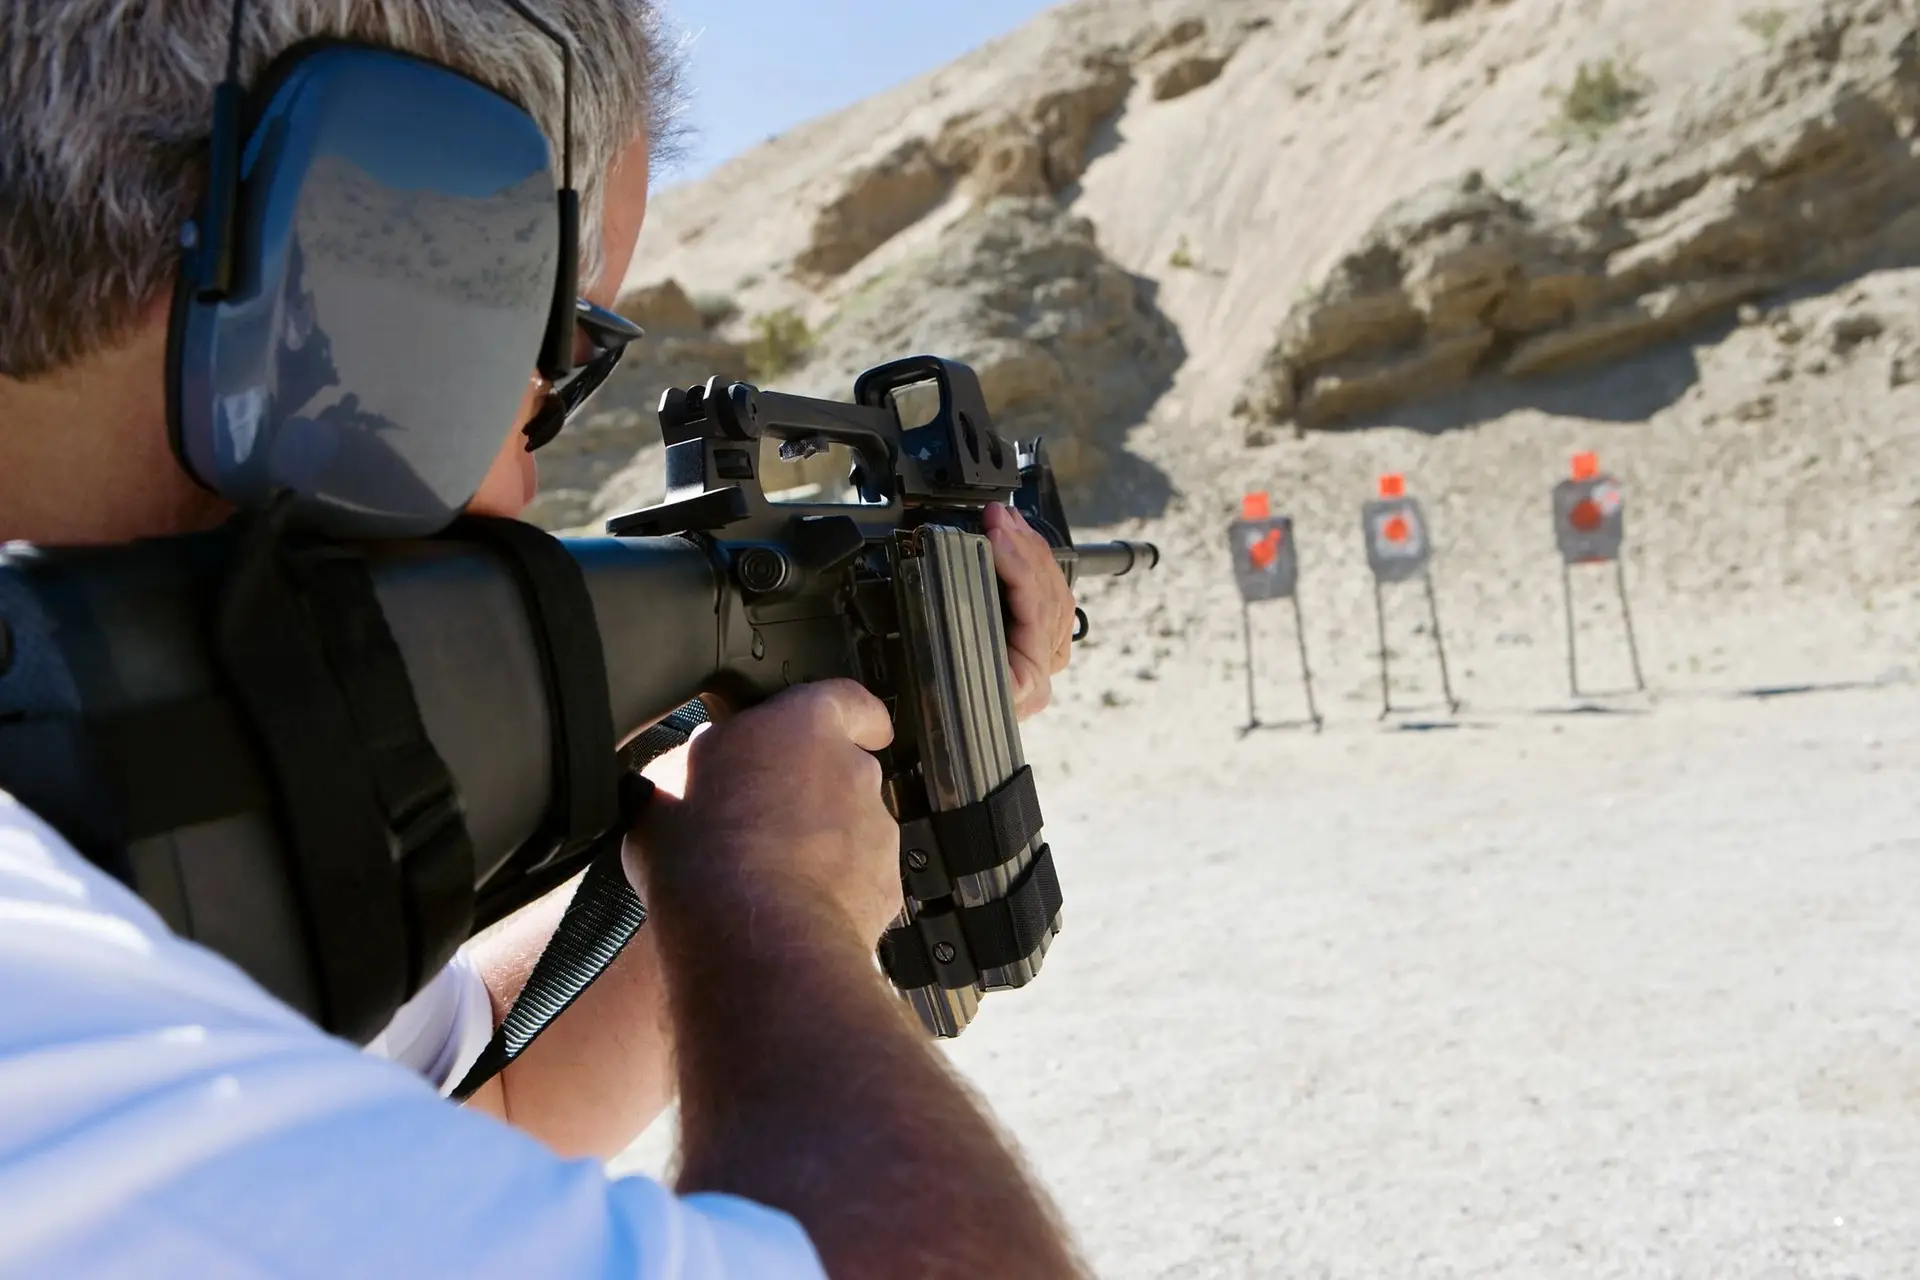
{"x":608,"y":335}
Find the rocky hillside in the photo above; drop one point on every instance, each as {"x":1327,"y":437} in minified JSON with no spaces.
{"x":1197,"y":243}
{"x":1299,"y":213}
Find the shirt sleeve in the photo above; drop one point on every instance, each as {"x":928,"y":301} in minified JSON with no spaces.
{"x":440,"y":1033}
{"x":162,"y":1115}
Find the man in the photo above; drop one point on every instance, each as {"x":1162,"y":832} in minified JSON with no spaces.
{"x":160,"y":1115}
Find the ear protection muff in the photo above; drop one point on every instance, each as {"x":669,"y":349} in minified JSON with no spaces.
{"x":378,"y":265}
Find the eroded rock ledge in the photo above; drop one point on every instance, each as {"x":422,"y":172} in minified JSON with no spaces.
{"x":1802,"y":169}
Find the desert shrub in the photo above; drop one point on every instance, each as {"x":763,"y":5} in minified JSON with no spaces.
{"x":781,"y":341}
{"x":1603,"y":93}
{"x":1765,"y":23}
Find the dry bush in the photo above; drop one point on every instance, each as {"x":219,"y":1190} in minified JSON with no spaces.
{"x":1603,"y":93}
{"x":781,"y":341}
{"x":1765,"y":23}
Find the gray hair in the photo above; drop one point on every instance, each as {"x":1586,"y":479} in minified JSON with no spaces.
{"x":105,"y":106}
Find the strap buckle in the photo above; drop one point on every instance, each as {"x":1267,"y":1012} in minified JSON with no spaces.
{"x":429,"y":822}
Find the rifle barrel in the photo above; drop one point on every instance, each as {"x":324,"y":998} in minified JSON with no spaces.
{"x":1114,"y":559}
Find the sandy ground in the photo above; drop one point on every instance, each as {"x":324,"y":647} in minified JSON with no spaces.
{"x":1544,"y":995}
{"x":1581,"y":994}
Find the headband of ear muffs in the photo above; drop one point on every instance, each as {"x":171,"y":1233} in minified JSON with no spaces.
{"x":396,"y":257}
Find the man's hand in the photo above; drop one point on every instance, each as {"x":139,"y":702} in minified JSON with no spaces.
{"x":780,"y":805}
{"x":1040,"y":642}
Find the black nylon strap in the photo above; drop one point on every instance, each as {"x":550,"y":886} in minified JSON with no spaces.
{"x":422,"y":806}
{"x":337,"y":839}
{"x":585,"y":771}
{"x":601,"y":919}
{"x":1007,"y":930}
{"x":998,"y":933}
{"x":990,"y":832}
{"x":656,"y":740}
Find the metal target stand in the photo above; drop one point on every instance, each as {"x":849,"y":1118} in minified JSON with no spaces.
{"x":1589,"y":527}
{"x":1266,"y":566}
{"x":1306,"y":671}
{"x":1626,"y":617}
{"x":1439,"y":646}
{"x":1399,"y":549}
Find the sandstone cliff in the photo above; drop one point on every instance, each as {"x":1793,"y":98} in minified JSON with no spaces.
{"x":1797,"y":168}
{"x":1298,"y":214}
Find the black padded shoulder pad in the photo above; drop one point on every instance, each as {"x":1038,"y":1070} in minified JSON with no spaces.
{"x":586,"y":769}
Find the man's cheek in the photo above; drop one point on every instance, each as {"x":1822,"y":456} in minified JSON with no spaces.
{"x":510,"y":483}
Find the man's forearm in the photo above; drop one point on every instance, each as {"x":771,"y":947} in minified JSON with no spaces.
{"x":603,"y":1071}
{"x":806,"y":1085}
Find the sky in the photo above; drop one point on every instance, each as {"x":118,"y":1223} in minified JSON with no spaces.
{"x":759,"y":67}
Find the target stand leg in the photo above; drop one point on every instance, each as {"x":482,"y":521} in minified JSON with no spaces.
{"x":1626,"y":616}
{"x":1380,"y":621}
{"x":1306,"y":672}
{"x":1246,"y":631}
{"x":1573,"y":656}
{"x":1439,"y":644}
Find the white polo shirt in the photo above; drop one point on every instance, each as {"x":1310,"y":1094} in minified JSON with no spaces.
{"x":161,"y":1115}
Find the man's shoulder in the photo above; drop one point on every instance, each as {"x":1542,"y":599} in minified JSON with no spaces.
{"x":162,"y":1114}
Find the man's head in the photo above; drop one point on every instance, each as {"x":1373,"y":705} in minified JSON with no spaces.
{"x":107,"y":105}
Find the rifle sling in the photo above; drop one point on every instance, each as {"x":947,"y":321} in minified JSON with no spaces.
{"x":599,"y":921}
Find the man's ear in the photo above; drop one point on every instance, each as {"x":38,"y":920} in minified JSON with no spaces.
{"x":623,"y":212}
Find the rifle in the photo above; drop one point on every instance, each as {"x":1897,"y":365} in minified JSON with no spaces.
{"x":335,"y":763}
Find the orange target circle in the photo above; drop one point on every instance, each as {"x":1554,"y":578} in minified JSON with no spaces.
{"x":1266,"y":550}
{"x":1396,"y":529}
{"x":1586,"y":515}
